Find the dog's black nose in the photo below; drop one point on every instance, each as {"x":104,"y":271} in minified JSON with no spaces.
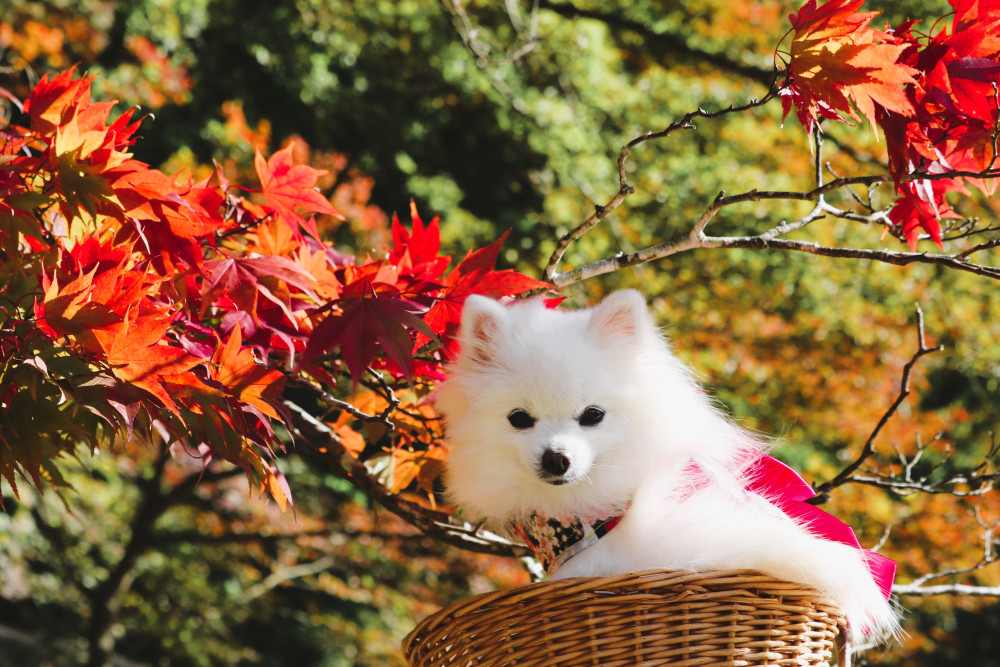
{"x":555,"y":463}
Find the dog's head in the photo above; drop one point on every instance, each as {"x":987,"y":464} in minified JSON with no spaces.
{"x":542,"y":406}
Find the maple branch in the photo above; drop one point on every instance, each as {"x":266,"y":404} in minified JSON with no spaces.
{"x":438,"y":525}
{"x":980,"y":479}
{"x":625,"y":189}
{"x":967,"y":228}
{"x":817,"y":138}
{"x":947,"y":589}
{"x":388,"y":395}
{"x":339,"y":404}
{"x":884,"y":256}
{"x":285,"y":574}
{"x":379,"y":385}
{"x":981,"y":484}
{"x":918,"y":586}
{"x":241,"y":229}
{"x":989,"y":245}
{"x":697,"y":239}
{"x":845,"y":475}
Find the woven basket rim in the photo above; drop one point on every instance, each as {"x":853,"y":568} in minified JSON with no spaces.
{"x":651,"y":586}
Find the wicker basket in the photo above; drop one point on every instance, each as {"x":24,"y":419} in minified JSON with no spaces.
{"x":655,"y":617}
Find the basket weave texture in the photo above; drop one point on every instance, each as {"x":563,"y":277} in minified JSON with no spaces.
{"x":655,"y":617}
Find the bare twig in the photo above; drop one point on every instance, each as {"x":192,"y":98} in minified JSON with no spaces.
{"x":845,"y":475}
{"x":919,"y":585}
{"x":624,"y":189}
{"x":962,"y":483}
{"x":979,"y":484}
{"x":392,"y":402}
{"x":947,"y":589}
{"x":337,"y":404}
{"x":475,"y":37}
{"x":768,"y":241}
{"x":697,"y":239}
{"x":989,"y":556}
{"x":285,"y":574}
{"x":988,"y":245}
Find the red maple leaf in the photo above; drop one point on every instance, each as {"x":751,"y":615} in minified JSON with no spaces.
{"x":364,"y":322}
{"x":956,"y":112}
{"x":287,"y":186}
{"x":245,"y":279}
{"x":474,"y":275}
{"x":415,"y":252}
{"x":972,"y":13}
{"x":921,"y":206}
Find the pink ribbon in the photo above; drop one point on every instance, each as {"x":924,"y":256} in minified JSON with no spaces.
{"x":785,"y":489}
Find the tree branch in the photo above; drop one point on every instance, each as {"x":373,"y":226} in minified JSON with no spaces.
{"x":947,"y":589}
{"x":918,"y":586}
{"x":697,"y":239}
{"x":979,"y":480}
{"x":438,"y":525}
{"x":57,"y":541}
{"x":105,"y":597}
{"x":339,"y":404}
{"x":845,"y":475}
{"x":285,"y":574}
{"x":624,"y":189}
{"x":767,"y":241}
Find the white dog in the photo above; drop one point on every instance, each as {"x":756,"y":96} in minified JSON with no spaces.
{"x":582,"y":432}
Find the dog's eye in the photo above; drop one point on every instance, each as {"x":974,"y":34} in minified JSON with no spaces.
{"x":520,"y":420}
{"x":592,"y":416}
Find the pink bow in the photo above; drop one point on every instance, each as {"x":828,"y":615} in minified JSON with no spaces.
{"x":785,"y":489}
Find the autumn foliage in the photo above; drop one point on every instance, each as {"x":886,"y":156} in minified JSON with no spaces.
{"x":135,"y":300}
{"x":132,"y":300}
{"x":933,"y":94}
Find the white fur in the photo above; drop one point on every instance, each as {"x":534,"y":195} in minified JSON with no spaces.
{"x":553,"y":364}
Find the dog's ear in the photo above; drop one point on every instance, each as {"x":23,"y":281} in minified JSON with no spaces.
{"x":622,"y":315}
{"x":482,"y":329}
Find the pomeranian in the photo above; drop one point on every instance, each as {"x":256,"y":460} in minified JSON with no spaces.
{"x":583,"y":434}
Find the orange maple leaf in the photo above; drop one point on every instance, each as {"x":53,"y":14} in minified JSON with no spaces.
{"x":272,"y":237}
{"x":838,"y":60}
{"x":423,"y":466}
{"x":352,"y":441}
{"x":138,"y":352}
{"x":54,"y":101}
{"x":327,"y":286}
{"x":250,"y":382}
{"x":267,"y":478}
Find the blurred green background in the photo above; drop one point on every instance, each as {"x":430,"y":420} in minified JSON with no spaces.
{"x":497,"y":116}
